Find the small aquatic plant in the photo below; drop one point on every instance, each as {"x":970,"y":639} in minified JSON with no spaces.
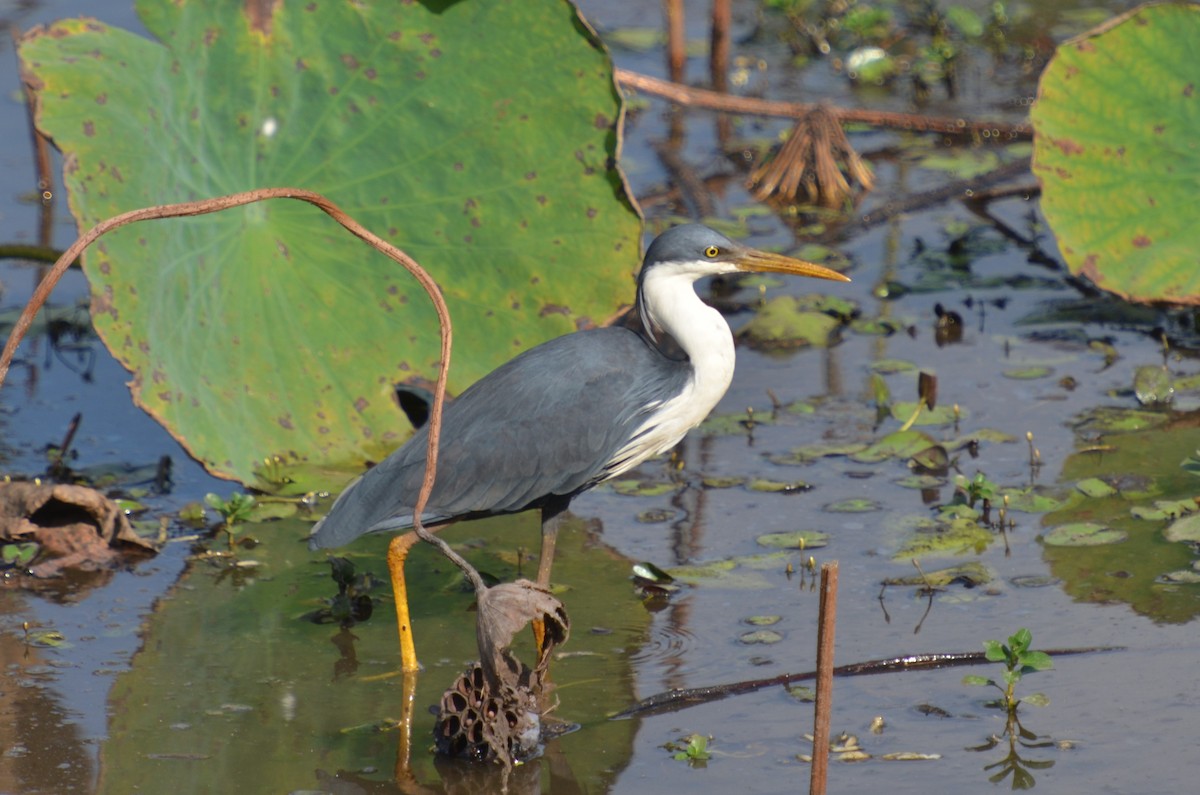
{"x":1018,"y":660}
{"x":233,"y":511}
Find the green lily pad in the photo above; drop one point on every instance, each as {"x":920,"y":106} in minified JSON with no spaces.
{"x":888,"y":366}
{"x":768,"y":485}
{"x":738,"y":423}
{"x":763,"y":621}
{"x":19,"y":554}
{"x":941,"y":415}
{"x":932,"y":458}
{"x":961,"y":536}
{"x":808,"y":453}
{"x":270,"y":330}
{"x":719,"y":574}
{"x":642,"y":488}
{"x":854,"y":505}
{"x":655,"y":516}
{"x":921,"y":482}
{"x":1164,"y":509}
{"x":1152,"y":385}
{"x":726,"y":482}
{"x":798,"y":539}
{"x":1095,"y":487}
{"x":1184,"y":529}
{"x":1114,"y":150}
{"x":1030,"y":500}
{"x":970,"y":574}
{"x":1083,"y":534}
{"x":784,"y":322}
{"x":1181,"y":577}
{"x":1028,"y":373}
{"x":1109,"y":419}
{"x":899,"y":444}
{"x":981,"y":435}
{"x":760,"y":637}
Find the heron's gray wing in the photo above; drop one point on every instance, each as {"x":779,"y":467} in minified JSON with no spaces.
{"x":546,"y":423}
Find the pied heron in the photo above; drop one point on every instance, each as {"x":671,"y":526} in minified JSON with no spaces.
{"x":567,"y":414}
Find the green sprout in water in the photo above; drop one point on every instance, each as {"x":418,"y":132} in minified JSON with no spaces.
{"x":1018,"y":660}
{"x":234,"y":511}
{"x":692,"y":749}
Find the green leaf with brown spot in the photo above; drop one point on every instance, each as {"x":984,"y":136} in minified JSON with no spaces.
{"x":479,"y":137}
{"x":1115,"y":150}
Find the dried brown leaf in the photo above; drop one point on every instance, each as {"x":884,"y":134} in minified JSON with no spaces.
{"x":76,"y":526}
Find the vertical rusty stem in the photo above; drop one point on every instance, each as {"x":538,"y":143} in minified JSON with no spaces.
{"x":823,"y":710}
{"x":676,"y":39}
{"x":718,"y":63}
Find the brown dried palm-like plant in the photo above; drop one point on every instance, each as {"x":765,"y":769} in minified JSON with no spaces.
{"x":815,"y":165}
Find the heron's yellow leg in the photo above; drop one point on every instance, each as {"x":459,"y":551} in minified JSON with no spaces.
{"x":545,"y":563}
{"x":396,"y":555}
{"x":403,"y":770}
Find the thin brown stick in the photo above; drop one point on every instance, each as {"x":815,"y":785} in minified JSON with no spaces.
{"x":680,"y":698}
{"x":823,"y":708}
{"x":712,"y":100}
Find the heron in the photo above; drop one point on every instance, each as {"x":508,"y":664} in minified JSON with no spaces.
{"x":565,"y":415}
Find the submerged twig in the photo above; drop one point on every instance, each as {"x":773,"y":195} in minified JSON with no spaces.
{"x":689,"y":697}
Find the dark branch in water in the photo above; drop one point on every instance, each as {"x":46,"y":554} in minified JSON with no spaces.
{"x":673,"y":700}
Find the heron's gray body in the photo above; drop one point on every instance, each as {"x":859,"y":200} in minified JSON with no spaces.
{"x":498,"y":454}
{"x":574,"y":411}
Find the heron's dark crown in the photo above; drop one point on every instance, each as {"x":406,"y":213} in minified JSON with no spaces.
{"x":686,"y":243}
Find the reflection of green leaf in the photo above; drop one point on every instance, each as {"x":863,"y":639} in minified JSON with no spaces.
{"x":268,"y":329}
{"x":1128,"y":572}
{"x":218,"y":641}
{"x":1083,"y":534}
{"x":1113,"y":149}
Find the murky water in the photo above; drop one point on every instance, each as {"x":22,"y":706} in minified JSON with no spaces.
{"x":223,"y":686}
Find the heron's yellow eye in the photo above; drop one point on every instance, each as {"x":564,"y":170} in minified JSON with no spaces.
{"x":711,"y":251}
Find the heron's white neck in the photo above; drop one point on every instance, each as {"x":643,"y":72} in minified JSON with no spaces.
{"x":669,"y":302}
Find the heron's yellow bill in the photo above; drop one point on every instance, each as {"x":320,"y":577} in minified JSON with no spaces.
{"x":756,"y":261}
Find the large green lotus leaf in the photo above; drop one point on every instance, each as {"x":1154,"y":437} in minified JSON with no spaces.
{"x":480,"y":137}
{"x":1118,"y":157}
